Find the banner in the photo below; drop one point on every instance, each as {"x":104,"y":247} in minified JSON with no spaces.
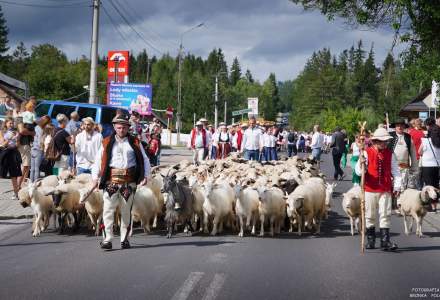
{"x":253,"y":105}
{"x":131,"y":96}
{"x":122,"y":60}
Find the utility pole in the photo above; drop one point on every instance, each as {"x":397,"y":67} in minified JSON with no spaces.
{"x":179,"y":96}
{"x":226,"y":105}
{"x":215,"y":103}
{"x":94,"y":54}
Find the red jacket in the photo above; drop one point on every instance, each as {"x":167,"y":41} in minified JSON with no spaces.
{"x":193,"y":137}
{"x":154,"y":147}
{"x":239,"y":139}
{"x":378,"y":175}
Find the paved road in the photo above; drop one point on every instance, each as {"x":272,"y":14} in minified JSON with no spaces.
{"x":222,"y":267}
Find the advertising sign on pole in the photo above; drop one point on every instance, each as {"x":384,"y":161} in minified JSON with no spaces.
{"x":118,"y":65}
{"x":131,"y":96}
{"x":434,"y":94}
{"x":253,"y":105}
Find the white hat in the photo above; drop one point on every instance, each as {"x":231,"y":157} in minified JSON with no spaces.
{"x":203,"y":120}
{"x":222,"y":124}
{"x":199,"y":123}
{"x":381,"y":134}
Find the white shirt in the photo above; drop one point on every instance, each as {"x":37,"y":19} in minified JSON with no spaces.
{"x":234,"y":141}
{"x":269,"y":140}
{"x":429,"y":158}
{"x":317,"y":140}
{"x":356,"y":150}
{"x":395,"y":172}
{"x":87,"y":147}
{"x":251,"y":139}
{"x":123,"y":157}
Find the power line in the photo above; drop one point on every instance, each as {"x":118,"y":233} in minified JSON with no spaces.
{"x":70,"y":5}
{"x":129,"y":25}
{"x":159,"y":38}
{"x":115,"y":26}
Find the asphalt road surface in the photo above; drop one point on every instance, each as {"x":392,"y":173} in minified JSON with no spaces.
{"x":223,"y":267}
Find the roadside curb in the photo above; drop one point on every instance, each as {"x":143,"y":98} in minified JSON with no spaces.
{"x":16,"y":217}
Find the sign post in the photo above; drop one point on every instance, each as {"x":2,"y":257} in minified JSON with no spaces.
{"x":169,"y":113}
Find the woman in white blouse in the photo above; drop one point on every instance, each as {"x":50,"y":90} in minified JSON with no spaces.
{"x":430,"y":157}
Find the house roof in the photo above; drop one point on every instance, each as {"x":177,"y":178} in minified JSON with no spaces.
{"x":12,"y":82}
{"x":418,"y":103}
{"x":11,"y":92}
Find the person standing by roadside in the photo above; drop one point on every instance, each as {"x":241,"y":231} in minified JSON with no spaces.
{"x":37,"y":153}
{"x":338,"y":148}
{"x":270,"y":144}
{"x":251,"y":141}
{"x":291,"y":143}
{"x":429,"y":152}
{"x":24,"y":147}
{"x":62,"y":141}
{"x":223,"y":142}
{"x":317,"y":144}
{"x":87,"y":144}
{"x":153,"y":149}
{"x":403,"y":148}
{"x":355,"y":149}
{"x":10,"y":158}
{"x":197,"y":142}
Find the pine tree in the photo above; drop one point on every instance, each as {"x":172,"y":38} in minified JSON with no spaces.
{"x":20,"y":61}
{"x":248,"y":76}
{"x":235,"y":72}
{"x":3,"y":34}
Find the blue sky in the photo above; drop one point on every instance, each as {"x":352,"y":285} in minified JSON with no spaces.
{"x":267,"y":36}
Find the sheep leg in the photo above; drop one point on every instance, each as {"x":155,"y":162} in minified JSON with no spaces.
{"x":189,"y":225}
{"x":300,"y":220}
{"x":98,"y":222}
{"x":215,"y":225}
{"x":351,"y":225}
{"x":205,"y":222}
{"x":356,"y":224}
{"x":278,"y":225}
{"x":37,"y":229}
{"x":240,"y":234}
{"x":405,"y":224}
{"x":272,"y":219}
{"x":170,"y":226}
{"x":262,"y":225}
{"x":419,"y":226}
{"x":411,"y":224}
{"x":254,"y":222}
{"x":155,"y":221}
{"x":318,"y":225}
{"x":220,"y":227}
{"x":248,"y":221}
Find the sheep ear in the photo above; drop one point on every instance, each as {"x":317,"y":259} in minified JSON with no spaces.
{"x":287,"y":203}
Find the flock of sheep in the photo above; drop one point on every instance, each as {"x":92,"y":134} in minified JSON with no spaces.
{"x":216,"y":194}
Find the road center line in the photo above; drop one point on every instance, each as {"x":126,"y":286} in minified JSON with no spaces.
{"x":215,"y":286}
{"x":184,"y":291}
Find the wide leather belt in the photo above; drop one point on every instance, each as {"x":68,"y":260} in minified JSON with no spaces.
{"x":121,"y":176}
{"x":403,"y":166}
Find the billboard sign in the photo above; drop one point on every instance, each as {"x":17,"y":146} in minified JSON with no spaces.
{"x":253,"y":105}
{"x":121,"y":59}
{"x":131,"y":96}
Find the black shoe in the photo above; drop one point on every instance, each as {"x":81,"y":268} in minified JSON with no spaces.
{"x":342,"y":177}
{"x":125,"y":245}
{"x":106,"y":245}
{"x":371,"y":238}
{"x":385,"y":242}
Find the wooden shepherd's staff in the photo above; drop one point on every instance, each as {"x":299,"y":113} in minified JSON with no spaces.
{"x":362,"y":161}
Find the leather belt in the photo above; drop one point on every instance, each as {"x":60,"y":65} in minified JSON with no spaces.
{"x":403,"y":166}
{"x":120,"y":176}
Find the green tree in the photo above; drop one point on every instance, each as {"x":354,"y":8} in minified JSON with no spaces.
{"x":3,"y":41}
{"x":19,"y":62}
{"x":235,"y":72}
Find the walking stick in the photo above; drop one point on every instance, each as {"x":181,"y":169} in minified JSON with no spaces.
{"x":361,"y":157}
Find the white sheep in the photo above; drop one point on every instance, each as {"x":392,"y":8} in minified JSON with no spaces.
{"x":218,"y":204}
{"x":329,"y":188}
{"x":306,"y":204}
{"x":145,"y":207}
{"x":246,"y":207}
{"x":94,"y":205}
{"x":272,"y":206}
{"x":412,"y":203}
{"x":351,"y":204}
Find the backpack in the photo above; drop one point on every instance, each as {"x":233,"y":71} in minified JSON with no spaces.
{"x":291,"y":137}
{"x":52,"y":152}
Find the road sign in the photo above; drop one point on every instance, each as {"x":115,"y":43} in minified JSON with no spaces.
{"x":241,"y":111}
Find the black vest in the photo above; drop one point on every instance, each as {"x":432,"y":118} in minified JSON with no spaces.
{"x":406,"y":137}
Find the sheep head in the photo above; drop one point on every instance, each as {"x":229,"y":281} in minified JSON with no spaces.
{"x":429,"y":193}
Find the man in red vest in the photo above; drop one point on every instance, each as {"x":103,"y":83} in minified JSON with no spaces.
{"x":121,"y":164}
{"x":198,"y":142}
{"x":382,"y":177}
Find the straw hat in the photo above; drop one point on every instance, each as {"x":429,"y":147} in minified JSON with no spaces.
{"x":381,"y":134}
{"x":199,"y":123}
{"x":121,"y":119}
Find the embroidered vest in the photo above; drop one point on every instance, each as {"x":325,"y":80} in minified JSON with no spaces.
{"x":378,"y":175}
{"x":107,"y":144}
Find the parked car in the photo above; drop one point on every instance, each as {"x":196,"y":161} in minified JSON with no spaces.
{"x":102,"y":114}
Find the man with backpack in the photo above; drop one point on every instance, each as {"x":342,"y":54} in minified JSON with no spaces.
{"x":291,"y":144}
{"x":59,"y":147}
